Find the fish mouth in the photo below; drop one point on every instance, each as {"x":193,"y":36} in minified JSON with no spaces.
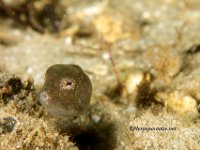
{"x":44,"y":98}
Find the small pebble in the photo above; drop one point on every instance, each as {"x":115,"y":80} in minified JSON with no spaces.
{"x":68,"y":40}
{"x":95,"y":118}
{"x":132,"y":82}
{"x":130,"y":109}
{"x":182,"y":104}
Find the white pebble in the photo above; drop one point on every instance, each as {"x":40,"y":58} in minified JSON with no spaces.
{"x":68,"y":40}
{"x":95,"y":118}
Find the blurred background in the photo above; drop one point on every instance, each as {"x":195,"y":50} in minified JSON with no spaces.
{"x":142,"y":56}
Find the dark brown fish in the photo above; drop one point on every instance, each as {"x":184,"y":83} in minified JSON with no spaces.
{"x":67,"y":91}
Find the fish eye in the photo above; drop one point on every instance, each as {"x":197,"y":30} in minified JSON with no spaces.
{"x":67,"y":84}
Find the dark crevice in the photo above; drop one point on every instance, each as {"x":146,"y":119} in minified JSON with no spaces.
{"x":92,"y":137}
{"x":146,"y":96}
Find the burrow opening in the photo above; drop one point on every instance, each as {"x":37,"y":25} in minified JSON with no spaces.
{"x":96,"y":136}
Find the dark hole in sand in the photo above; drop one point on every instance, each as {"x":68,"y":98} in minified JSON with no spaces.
{"x":7,"y":124}
{"x":92,"y":137}
{"x":10,"y":88}
{"x":15,"y":85}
